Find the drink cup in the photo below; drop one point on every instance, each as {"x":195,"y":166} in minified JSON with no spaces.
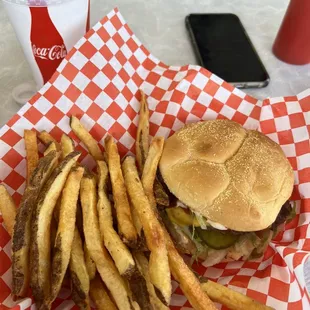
{"x":292,"y":44}
{"x":47,"y":30}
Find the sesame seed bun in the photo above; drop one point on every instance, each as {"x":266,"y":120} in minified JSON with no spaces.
{"x":236,"y":177}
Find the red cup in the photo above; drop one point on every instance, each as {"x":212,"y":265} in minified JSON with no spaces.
{"x":292,"y":44}
{"x":47,"y":32}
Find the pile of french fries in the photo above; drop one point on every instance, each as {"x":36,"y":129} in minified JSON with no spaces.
{"x":102,"y":230}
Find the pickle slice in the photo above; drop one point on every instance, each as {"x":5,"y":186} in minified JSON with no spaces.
{"x":217,"y":239}
{"x":180,"y":217}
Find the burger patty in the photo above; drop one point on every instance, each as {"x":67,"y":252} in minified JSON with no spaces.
{"x":286,"y":213}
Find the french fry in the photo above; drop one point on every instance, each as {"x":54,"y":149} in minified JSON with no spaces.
{"x":150,"y":168}
{"x":161,"y":195}
{"x":90,"y":264}
{"x":230,"y":298}
{"x":53,"y":232}
{"x":86,"y":138}
{"x":78,"y":264}
{"x":46,"y":138}
{"x":65,"y":231}
{"x":139,"y":291}
{"x":159,"y":266}
{"x":7,"y":209}
{"x":136,"y":222}
{"x":32,"y":155}
{"x":22,"y":228}
{"x":142,"y":149}
{"x":67,"y":145}
{"x":122,"y":257}
{"x":143,"y":131}
{"x":100,"y":296}
{"x":78,"y":273}
{"x":126,"y":228}
{"x":40,"y":247}
{"x":143,"y":266}
{"x":50,"y":147}
{"x":105,"y":210}
{"x":66,"y":148}
{"x":105,"y":266}
{"x":153,"y":229}
{"x":188,"y":281}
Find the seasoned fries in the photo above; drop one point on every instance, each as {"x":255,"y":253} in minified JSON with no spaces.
{"x":122,"y":257}
{"x":105,"y":266}
{"x":123,"y":213}
{"x":78,"y":273}
{"x":230,"y":298}
{"x":40,"y":248}
{"x":100,"y":296}
{"x":150,"y":168}
{"x":143,"y":267}
{"x":159,"y":266}
{"x":67,"y":145}
{"x":32,"y":155}
{"x":143,"y":131}
{"x":7,"y":209}
{"x":46,"y":138}
{"x":65,"y":225}
{"x":86,"y":138}
{"x":65,"y":231}
{"x":22,"y":228}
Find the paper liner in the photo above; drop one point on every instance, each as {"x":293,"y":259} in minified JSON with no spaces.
{"x":99,"y":82}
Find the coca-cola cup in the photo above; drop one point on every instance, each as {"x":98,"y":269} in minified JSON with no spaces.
{"x":47,"y":30}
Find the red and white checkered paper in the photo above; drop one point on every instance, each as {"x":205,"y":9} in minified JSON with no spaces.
{"x":99,"y":82}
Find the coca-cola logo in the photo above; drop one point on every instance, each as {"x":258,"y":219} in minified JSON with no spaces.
{"x":51,"y":53}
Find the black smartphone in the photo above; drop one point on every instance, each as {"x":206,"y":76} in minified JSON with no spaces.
{"x":222,"y":46}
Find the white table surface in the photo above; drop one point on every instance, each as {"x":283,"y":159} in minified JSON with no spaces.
{"x":159,"y":24}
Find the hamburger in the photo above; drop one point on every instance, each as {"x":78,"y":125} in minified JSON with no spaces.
{"x":230,"y":188}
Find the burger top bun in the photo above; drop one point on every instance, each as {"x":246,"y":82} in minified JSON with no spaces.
{"x":233,"y":176}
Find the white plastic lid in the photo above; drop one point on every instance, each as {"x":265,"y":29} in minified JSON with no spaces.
{"x":37,"y":3}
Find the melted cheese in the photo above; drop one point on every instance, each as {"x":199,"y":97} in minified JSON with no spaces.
{"x":213,"y":224}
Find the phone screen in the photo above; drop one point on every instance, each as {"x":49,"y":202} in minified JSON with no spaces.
{"x":223,"y":47}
